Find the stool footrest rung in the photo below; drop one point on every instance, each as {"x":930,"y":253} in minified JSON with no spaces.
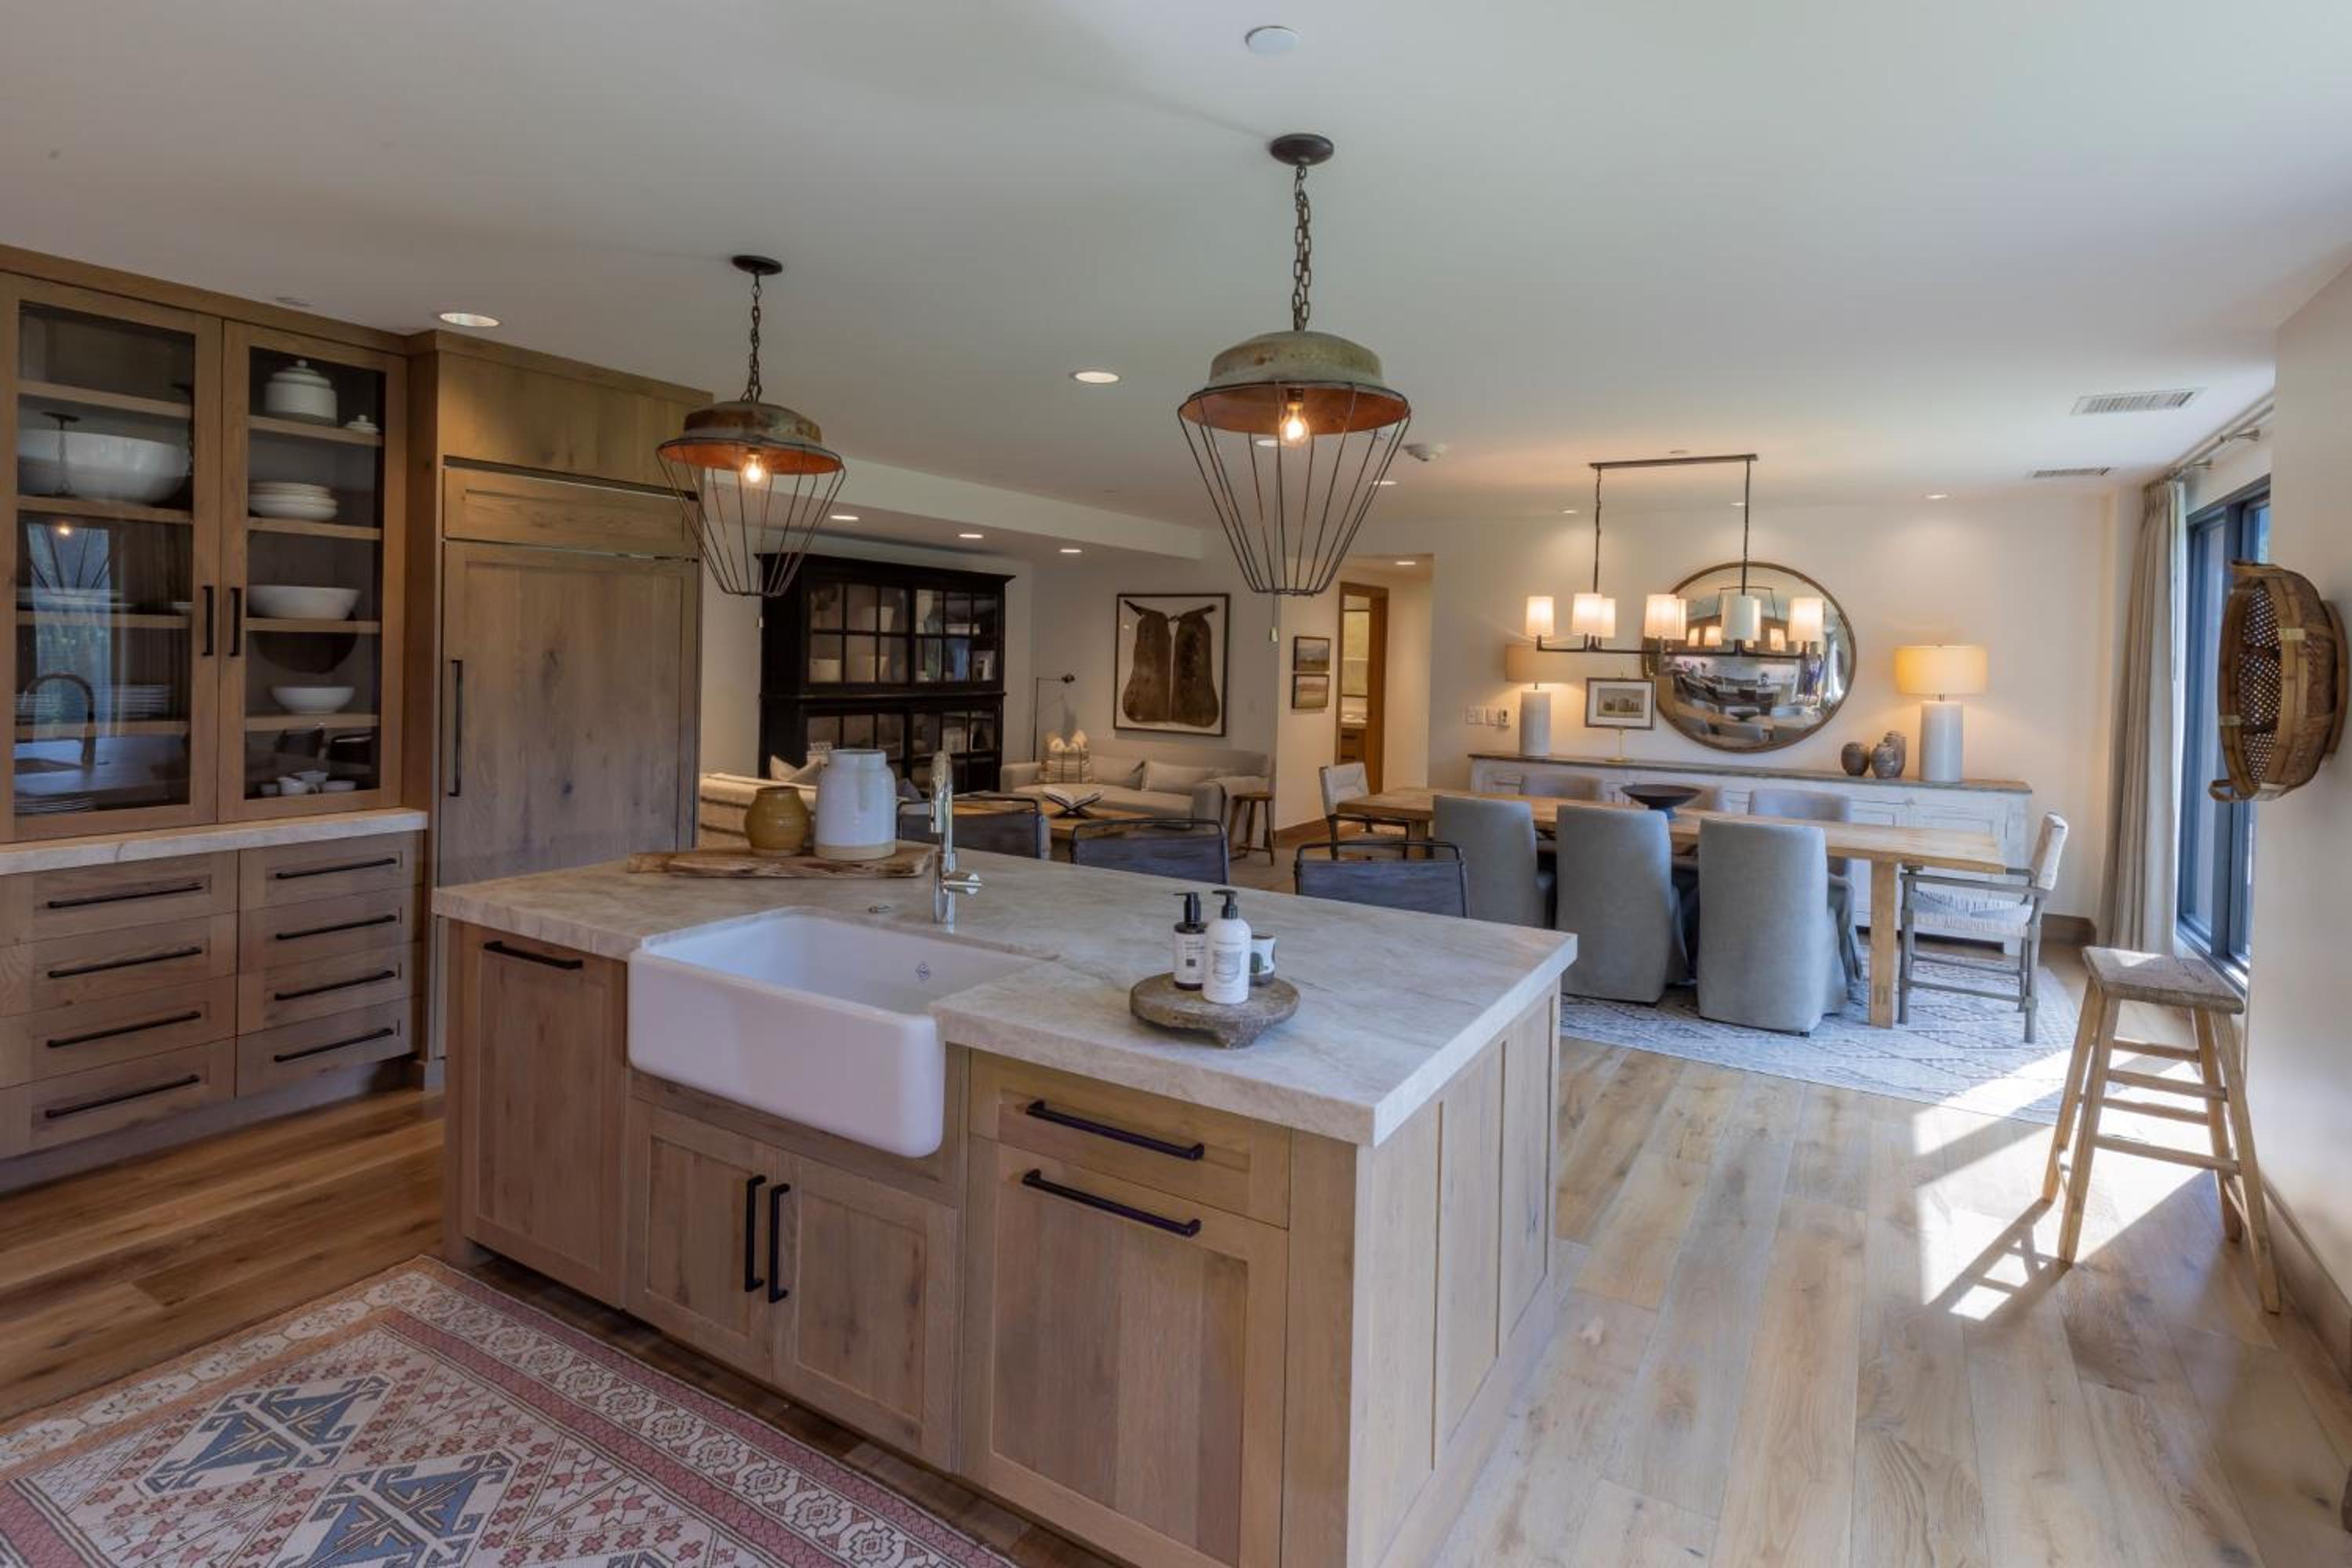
{"x":2192,"y":1087}
{"x":2150,"y":1107}
{"x":2159,"y":1152}
{"x":2152,"y":1048}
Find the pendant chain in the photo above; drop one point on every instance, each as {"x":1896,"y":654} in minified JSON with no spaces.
{"x":752,"y":386}
{"x":1302,"y":264}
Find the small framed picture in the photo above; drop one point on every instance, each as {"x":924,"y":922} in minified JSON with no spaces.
{"x":1310,"y":693}
{"x":1310,"y":655}
{"x":1620,"y":705}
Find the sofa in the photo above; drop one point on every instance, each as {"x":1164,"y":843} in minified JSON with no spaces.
{"x":1191,"y":782}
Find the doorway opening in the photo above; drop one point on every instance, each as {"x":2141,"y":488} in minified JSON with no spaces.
{"x":1363,"y":678}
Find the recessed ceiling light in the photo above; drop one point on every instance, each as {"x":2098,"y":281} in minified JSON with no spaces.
{"x":1095,"y":377}
{"x":1407,"y":562}
{"x":1939,"y":495}
{"x":1568,"y":512}
{"x":1072,"y":550}
{"x":1740,"y":503}
{"x":1265,"y":441}
{"x":842,"y":516}
{"x":1384,"y":481}
{"x":1271,"y":40}
{"x":972,"y":536}
{"x":469,"y":319}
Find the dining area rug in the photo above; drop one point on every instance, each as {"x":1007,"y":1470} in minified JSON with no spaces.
{"x":1963,"y":1051}
{"x":423,"y":1419}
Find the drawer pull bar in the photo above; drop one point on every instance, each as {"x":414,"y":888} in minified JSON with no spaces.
{"x":295,"y":876}
{"x":341,"y":925}
{"x":751,"y":1185}
{"x":1111,"y":1205}
{"x":59,"y":1112}
{"x":101,"y":968}
{"x":1043,"y":1113}
{"x":94,"y":900}
{"x":333,"y":1046}
{"x":503,"y":950}
{"x":776,"y":1291}
{"x":189,"y":1016}
{"x":334,"y":986}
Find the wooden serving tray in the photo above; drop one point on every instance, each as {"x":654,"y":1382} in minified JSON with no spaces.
{"x":908,"y":860}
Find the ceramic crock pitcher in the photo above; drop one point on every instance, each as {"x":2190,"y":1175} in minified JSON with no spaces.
{"x":857,"y":807}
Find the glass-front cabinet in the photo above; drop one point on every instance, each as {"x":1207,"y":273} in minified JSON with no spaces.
{"x":199,"y":562}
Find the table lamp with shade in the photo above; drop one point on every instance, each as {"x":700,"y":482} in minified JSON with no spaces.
{"x":1939,"y":672}
{"x":1524,"y":664}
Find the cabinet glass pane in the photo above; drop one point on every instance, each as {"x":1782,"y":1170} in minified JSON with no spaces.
{"x":929,"y":614}
{"x":890,"y":732}
{"x":862,"y":612}
{"x":858,"y":659}
{"x":824,"y":660}
{"x":858,"y":729}
{"x":825,"y":605}
{"x":892,"y":607}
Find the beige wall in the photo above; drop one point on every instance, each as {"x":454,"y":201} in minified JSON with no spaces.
{"x":2300,"y":1055}
{"x":1309,"y":741}
{"x":2029,"y":577}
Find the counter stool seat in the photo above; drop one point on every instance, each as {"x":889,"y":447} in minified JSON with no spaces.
{"x":1249,"y":823}
{"x":2216,"y":1093}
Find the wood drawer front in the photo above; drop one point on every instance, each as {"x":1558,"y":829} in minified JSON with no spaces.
{"x":59,"y":1041}
{"x":299,"y":873}
{"x":35,"y":977}
{"x":523,"y":508}
{"x":291,"y":992}
{"x":109,"y":1098}
{"x":38,"y":905}
{"x":1206,"y":1156}
{"x":292,"y":1052}
{"x":280,"y":934}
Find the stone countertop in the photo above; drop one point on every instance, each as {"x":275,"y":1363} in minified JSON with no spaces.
{"x":1756,"y":770}
{"x":1392,"y":1004}
{"x":112,"y":849}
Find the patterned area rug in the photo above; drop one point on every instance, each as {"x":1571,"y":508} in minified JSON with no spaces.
{"x":1957,"y":1050}
{"x":422,"y":1420}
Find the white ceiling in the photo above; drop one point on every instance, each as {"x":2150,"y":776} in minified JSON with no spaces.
{"x":1884,"y":244}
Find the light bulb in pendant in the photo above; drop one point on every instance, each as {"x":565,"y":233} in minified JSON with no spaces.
{"x":755,"y":472}
{"x":1293,"y":426}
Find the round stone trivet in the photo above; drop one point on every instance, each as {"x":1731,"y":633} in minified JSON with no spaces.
{"x":1231,"y":1024}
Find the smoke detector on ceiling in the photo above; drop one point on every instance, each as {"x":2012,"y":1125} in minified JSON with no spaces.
{"x":1424,"y":451}
{"x":2136,"y":402}
{"x":2071,"y":473}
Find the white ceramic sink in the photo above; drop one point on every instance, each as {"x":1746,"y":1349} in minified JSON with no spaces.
{"x":821,"y":1021}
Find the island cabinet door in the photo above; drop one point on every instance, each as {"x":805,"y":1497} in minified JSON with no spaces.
{"x":1123,"y":1361}
{"x":870,"y":1336}
{"x":539,"y":1065}
{"x":710,"y":1230}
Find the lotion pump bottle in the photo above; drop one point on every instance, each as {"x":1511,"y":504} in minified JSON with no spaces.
{"x":1191,"y":945}
{"x":1229,"y":954}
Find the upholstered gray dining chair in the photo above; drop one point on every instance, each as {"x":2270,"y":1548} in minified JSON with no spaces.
{"x":1819,"y":805}
{"x":2006,"y":909}
{"x":1421,"y":874}
{"x":1344,"y":781}
{"x":1000,"y":824}
{"x":1617,"y":894}
{"x":1497,"y":841}
{"x":1770,"y":956}
{"x":1188,"y":846}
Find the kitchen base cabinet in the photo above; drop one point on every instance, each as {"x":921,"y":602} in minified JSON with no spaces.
{"x":702,"y":1203}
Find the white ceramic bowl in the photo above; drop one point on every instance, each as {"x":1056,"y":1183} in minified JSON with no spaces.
{"x":285,"y":602}
{"x":312,"y":698}
{"x":298,"y":392}
{"x":294,"y":507}
{"x":99,"y":467}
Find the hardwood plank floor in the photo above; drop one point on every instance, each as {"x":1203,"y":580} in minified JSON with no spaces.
{"x":1806,"y":1326}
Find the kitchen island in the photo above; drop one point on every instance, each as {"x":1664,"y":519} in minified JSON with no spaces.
{"x":1187,"y":1305}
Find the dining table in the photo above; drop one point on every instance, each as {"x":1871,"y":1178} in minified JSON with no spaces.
{"x":1886,"y":847}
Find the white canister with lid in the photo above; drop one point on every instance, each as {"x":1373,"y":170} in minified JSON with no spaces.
{"x":297,"y":391}
{"x":857,"y":807}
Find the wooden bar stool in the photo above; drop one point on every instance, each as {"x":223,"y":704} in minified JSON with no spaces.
{"x":1249,"y":822}
{"x":2218,"y":1093}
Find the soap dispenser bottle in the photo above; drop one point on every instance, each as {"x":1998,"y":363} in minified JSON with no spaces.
{"x":1191,"y":945}
{"x":1229,"y":954}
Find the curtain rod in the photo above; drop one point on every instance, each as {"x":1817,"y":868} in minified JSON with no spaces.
{"x":2246,"y":426}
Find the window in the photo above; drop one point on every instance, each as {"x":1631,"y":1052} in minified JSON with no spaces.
{"x":2217,"y":838}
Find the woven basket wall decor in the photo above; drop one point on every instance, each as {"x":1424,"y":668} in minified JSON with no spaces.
{"x":2283,"y":682}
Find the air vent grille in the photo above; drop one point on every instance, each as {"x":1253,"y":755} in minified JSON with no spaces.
{"x":2135,"y":401}
{"x":2071,"y":473}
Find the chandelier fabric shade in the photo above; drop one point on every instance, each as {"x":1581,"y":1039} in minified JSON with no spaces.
{"x":1807,"y":617}
{"x":755,"y":479}
{"x":1665,"y":616}
{"x":1539,"y":615}
{"x":1592,"y":616}
{"x":1294,"y":430}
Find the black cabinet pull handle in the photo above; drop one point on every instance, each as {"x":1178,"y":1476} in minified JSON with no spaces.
{"x":751,"y":1185}
{"x":95,"y":1036}
{"x":1043,"y":1113}
{"x":332,"y":1046}
{"x":296,"y":875}
{"x":57,"y":1112}
{"x":101,"y":968}
{"x":503,"y":950}
{"x":457,"y":727}
{"x":94,"y":900}
{"x":334,"y":986}
{"x":1111,"y":1205}
{"x":776,"y":1291}
{"x":208,"y":620}
{"x":236,"y":623}
{"x":341,"y":925}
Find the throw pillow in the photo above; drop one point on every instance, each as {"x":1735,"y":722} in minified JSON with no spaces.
{"x":1170,"y":778}
{"x":1127,"y":773}
{"x":783,"y":771}
{"x":1066,"y":763}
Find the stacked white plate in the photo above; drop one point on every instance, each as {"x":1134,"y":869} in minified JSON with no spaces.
{"x":290,"y":498}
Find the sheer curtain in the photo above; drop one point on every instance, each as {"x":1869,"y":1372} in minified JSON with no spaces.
{"x":2144,"y":842}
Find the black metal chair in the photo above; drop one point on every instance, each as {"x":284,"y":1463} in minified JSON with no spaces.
{"x":1191,"y":848}
{"x":1009,"y":825}
{"x":1422,"y":873}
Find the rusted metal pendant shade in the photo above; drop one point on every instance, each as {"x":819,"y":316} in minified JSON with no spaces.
{"x":755,"y":480}
{"x":1294,"y":431}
